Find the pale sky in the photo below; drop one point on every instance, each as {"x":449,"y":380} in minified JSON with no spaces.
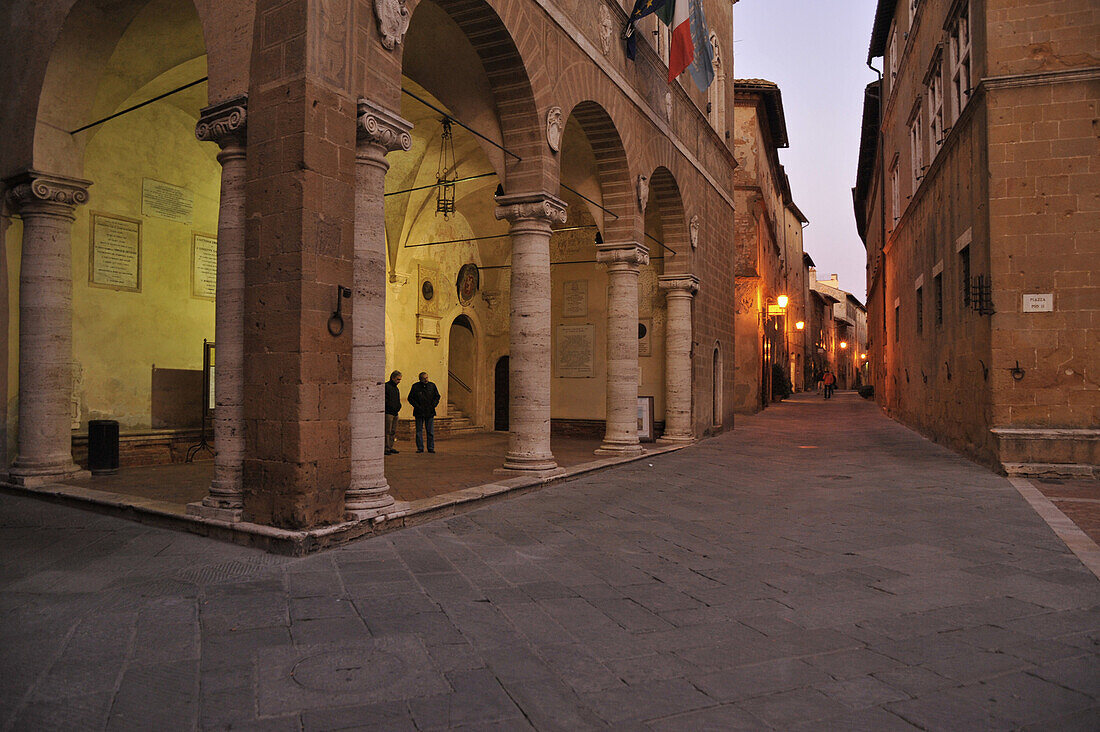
{"x":816,"y":50}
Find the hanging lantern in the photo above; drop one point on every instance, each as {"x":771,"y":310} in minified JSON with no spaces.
{"x":446,"y":172}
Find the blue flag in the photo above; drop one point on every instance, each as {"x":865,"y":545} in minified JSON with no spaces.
{"x":642,"y":8}
{"x":702,"y":68}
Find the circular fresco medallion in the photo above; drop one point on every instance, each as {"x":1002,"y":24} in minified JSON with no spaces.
{"x":469,"y":280}
{"x":427,"y":290}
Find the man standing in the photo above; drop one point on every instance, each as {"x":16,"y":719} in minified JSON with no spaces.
{"x":424,"y":396}
{"x":829,"y":380}
{"x":393,"y":407}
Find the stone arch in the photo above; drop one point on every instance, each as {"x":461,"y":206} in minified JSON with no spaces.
{"x":463,"y":363}
{"x":612,"y":169}
{"x":521,"y":127}
{"x":666,"y":207}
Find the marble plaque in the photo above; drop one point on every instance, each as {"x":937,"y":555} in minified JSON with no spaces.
{"x":204,"y":266}
{"x":645,"y":337}
{"x":574,"y":300}
{"x":166,"y":201}
{"x":115,"y":258}
{"x":574,"y":351}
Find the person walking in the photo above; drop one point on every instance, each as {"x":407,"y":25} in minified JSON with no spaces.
{"x":424,"y":397}
{"x":829,"y":380}
{"x":393,"y":408}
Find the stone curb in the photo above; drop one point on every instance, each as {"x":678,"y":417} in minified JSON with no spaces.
{"x":1077,"y":540}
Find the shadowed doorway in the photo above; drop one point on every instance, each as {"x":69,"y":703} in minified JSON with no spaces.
{"x":500,"y":392}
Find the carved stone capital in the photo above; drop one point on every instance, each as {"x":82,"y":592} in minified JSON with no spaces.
{"x":224,"y":123}
{"x":682,"y":284}
{"x":630,"y":253}
{"x":535,"y":206}
{"x":33,"y":188}
{"x":379,"y":126}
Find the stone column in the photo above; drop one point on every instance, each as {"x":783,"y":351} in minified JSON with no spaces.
{"x":225,"y":124}
{"x":622,"y":262}
{"x":378,"y":132}
{"x":679,"y":290}
{"x":530,"y":215}
{"x":46,"y":204}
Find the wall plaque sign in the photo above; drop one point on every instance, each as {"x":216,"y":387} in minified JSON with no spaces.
{"x":115,"y":258}
{"x":574,"y":300}
{"x":645,"y":341}
{"x":166,"y":201}
{"x":204,"y":266}
{"x":1038,"y":302}
{"x":574,"y":351}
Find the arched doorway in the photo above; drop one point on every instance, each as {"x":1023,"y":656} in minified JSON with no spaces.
{"x":462,"y":368}
{"x":500,"y":395}
{"x":716,"y":388}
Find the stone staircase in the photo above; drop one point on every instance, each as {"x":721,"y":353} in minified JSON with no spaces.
{"x":455,"y":422}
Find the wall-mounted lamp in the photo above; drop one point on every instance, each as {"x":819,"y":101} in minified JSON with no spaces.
{"x":800,"y":325}
{"x":863,"y":356}
{"x":844,"y":344}
{"x":782,"y":301}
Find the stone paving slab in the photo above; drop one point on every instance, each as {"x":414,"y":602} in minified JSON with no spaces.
{"x":781,"y":576}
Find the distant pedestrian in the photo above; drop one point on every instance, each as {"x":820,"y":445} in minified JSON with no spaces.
{"x":424,"y":397}
{"x":393,"y":408}
{"x":829,"y":380}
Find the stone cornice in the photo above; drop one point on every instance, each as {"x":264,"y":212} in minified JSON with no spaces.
{"x":687,"y":283}
{"x":378,"y":126}
{"x":535,"y":206}
{"x":628,"y":253}
{"x":35,"y":187}
{"x":224,"y":123}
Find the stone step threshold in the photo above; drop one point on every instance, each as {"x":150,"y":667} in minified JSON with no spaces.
{"x":300,"y":543}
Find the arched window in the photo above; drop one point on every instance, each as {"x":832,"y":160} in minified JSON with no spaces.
{"x":716,"y":94}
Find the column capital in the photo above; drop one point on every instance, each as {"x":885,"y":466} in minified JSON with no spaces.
{"x":682,"y":283}
{"x":629,"y":253}
{"x":224,"y":123}
{"x":35,"y":190}
{"x":380,"y":127}
{"x":531,"y":206}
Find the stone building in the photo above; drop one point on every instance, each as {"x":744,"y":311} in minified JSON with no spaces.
{"x":771,"y":276}
{"x":839,"y":328}
{"x":485,"y":190}
{"x":977,"y":197}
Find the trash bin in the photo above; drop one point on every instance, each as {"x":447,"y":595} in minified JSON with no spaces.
{"x":103,"y":446}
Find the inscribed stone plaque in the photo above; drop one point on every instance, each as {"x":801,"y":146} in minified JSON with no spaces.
{"x":574,"y":352}
{"x":167,"y":201}
{"x":1038,"y":303}
{"x":645,"y":341}
{"x":115,"y":258}
{"x":574,"y":300}
{"x":204,"y":266}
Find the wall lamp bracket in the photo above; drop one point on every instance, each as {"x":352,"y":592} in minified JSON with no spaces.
{"x":336,"y":320}
{"x":1017,"y":372}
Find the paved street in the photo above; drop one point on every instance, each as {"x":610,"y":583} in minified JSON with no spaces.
{"x":820,"y":566}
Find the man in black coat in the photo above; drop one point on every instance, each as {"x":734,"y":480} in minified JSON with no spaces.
{"x":393,"y":407}
{"x":424,"y":397}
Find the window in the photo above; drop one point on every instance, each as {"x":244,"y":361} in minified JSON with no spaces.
{"x":893,"y":57}
{"x":716,"y":94}
{"x":959,"y":57}
{"x":912,"y":12}
{"x":895,"y":208}
{"x":964,"y":273}
{"x":935,"y":110}
{"x":920,"y":310}
{"x":897,"y":322}
{"x":916,"y":148}
{"x":937,"y":293}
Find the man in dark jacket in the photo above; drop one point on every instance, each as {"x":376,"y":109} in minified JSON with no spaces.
{"x":393,"y":407}
{"x":424,"y":396}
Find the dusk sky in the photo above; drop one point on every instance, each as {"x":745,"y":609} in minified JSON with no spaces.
{"x":816,"y":50}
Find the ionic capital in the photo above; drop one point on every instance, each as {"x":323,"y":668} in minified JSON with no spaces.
{"x":679,"y":284}
{"x":37,"y":192}
{"x":531,"y":206}
{"x":629,"y":254}
{"x":224,"y":123}
{"x":382,"y":128}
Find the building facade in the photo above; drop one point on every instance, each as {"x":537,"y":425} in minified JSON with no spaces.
{"x":485,"y":190}
{"x":976,"y":196}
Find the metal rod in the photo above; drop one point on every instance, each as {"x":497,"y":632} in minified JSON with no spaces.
{"x":456,"y":241}
{"x":139,"y":106}
{"x":469,"y":129}
{"x":662,"y":244}
{"x":574,"y":190}
{"x":582,"y":261}
{"x":433,"y":185}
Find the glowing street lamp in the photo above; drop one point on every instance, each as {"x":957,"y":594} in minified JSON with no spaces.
{"x":799,"y":325}
{"x":844,"y":344}
{"x":863,"y":356}
{"x":782,"y":301}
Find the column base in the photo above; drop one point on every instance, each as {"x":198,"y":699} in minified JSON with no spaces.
{"x":528,"y":463}
{"x":215,"y":513}
{"x":32,"y":477}
{"x":620,"y":449}
{"x":365,"y":503}
{"x":675,"y":439}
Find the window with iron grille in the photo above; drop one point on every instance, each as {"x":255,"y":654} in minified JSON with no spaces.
{"x":920,"y":310}
{"x":937,"y":293}
{"x":964,"y":274}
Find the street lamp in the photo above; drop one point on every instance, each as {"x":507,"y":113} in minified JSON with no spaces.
{"x":782,"y":301}
{"x":799,"y":325}
{"x":844,"y":344}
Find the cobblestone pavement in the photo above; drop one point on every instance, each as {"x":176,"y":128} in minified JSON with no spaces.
{"x":819,"y":567}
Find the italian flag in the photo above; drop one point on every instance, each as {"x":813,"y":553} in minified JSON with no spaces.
{"x":681,"y":51}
